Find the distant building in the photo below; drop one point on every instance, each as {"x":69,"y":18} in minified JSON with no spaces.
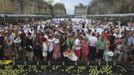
{"x":25,"y":7}
{"x":44,"y":8}
{"x":7,"y":6}
{"x":80,"y":9}
{"x":49,"y":1}
{"x":59,"y":9}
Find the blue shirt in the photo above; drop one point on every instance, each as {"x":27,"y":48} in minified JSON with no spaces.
{"x":130,"y":40}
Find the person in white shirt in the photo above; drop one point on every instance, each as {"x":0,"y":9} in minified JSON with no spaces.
{"x":88,"y":34}
{"x":17,"y":43}
{"x":92,"y":48}
{"x":92,"y":40}
{"x":45,"y":49}
{"x":77,"y":45}
{"x":50,"y":46}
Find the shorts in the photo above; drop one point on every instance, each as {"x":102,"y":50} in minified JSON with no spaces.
{"x":44,"y":54}
{"x":29,"y":54}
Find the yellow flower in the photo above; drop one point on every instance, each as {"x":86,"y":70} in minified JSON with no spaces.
{"x":6,"y":62}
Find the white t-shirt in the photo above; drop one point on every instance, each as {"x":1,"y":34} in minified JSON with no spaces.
{"x":77,"y":44}
{"x":88,"y":37}
{"x":92,"y":41}
{"x":99,"y":30}
{"x":50,"y":44}
{"x":44,"y":47}
{"x":43,"y":26}
{"x":45,"y":36}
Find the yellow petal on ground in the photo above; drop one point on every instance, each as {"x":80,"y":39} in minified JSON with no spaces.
{"x":6,"y":62}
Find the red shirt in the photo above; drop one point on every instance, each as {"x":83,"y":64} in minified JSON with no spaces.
{"x":41,"y":39}
{"x":104,"y":34}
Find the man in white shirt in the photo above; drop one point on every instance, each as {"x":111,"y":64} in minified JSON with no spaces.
{"x":92,"y":40}
{"x":92,"y":48}
{"x":88,"y":34}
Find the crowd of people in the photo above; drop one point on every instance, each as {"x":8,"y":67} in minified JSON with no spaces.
{"x":53,"y":40}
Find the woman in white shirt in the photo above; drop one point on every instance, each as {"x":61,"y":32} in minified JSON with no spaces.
{"x":45,"y":49}
{"x":50,"y":46}
{"x":77,"y":44}
{"x":17,"y":43}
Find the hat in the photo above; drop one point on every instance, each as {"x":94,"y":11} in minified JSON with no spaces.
{"x":110,"y":53}
{"x":56,"y":41}
{"x":5,"y":31}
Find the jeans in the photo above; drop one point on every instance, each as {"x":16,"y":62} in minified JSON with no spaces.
{"x":100,"y":53}
{"x":92,"y":53}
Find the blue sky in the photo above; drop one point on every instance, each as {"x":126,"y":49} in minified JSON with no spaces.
{"x":69,"y":4}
